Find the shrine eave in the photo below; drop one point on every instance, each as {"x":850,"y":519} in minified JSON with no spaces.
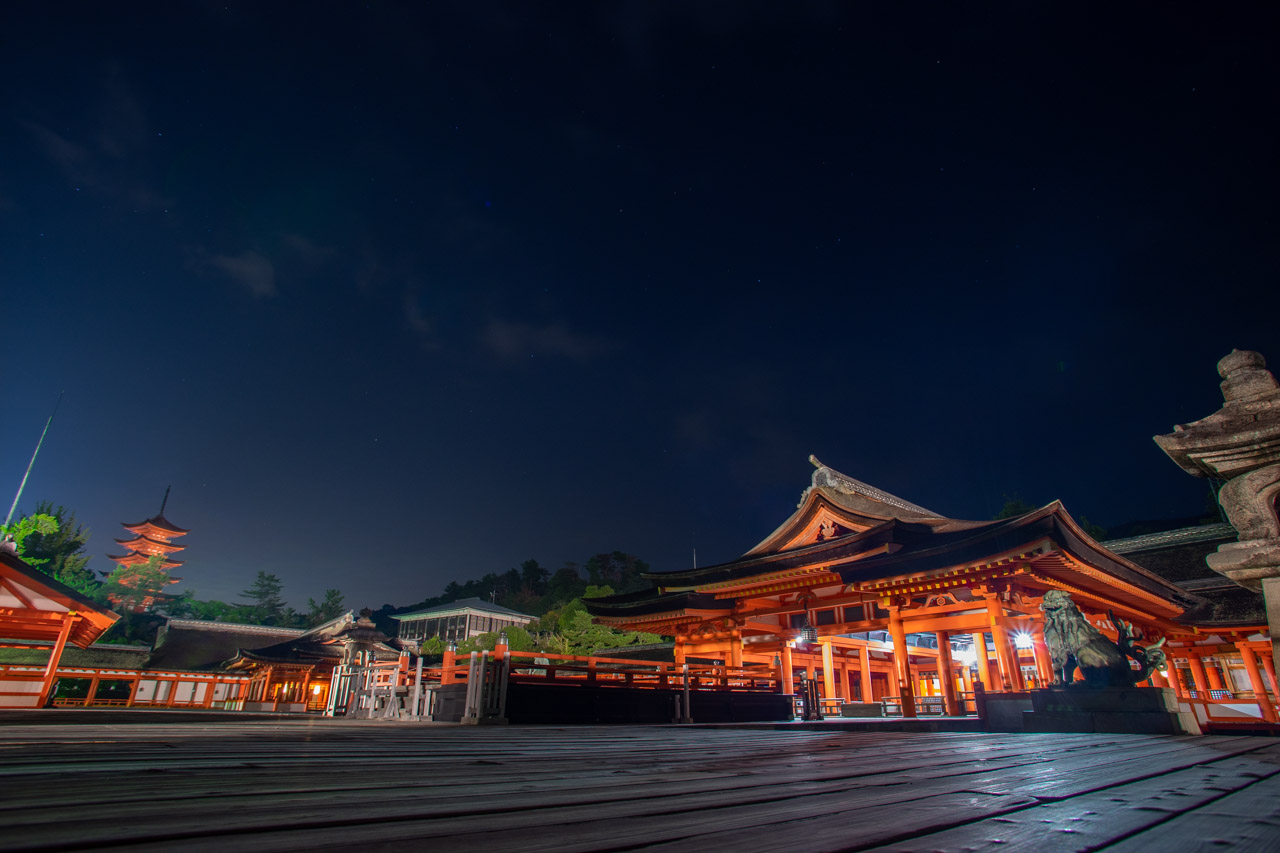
{"x":753,"y":565}
{"x":159,"y":522}
{"x":652,"y":603}
{"x":939,"y":550}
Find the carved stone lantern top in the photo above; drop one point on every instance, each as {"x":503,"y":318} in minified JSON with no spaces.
{"x":1243,"y":435}
{"x":1239,"y":443}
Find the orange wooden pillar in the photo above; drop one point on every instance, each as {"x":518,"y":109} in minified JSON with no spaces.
{"x":864,"y":674}
{"x":1198,"y":677}
{"x":1000,"y":639}
{"x":947,"y":675}
{"x":55,"y":657}
{"x":828,"y":671}
{"x":93,"y":690}
{"x":788,"y":674}
{"x":1255,"y":682}
{"x":984,"y":663}
{"x":1044,"y":664}
{"x":1214,"y":674}
{"x":735,"y":649}
{"x":1174,"y":681}
{"x":451,"y":653}
{"x":902,"y":662}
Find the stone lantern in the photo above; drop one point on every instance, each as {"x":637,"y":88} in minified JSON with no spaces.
{"x":1240,"y":444}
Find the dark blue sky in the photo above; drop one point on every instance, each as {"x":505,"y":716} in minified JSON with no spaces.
{"x":398,"y":294}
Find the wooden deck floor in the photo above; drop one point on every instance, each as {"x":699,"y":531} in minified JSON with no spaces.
{"x":326,"y":784}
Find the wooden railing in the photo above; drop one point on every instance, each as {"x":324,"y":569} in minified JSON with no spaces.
{"x":147,"y":688}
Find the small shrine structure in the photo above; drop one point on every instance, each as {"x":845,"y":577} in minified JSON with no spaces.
{"x":35,"y":608}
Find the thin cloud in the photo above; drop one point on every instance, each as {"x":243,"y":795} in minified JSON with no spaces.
{"x":308,"y":251}
{"x":250,"y":270}
{"x":510,"y":341}
{"x":418,"y":320}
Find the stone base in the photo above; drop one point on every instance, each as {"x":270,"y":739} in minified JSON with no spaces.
{"x":1247,"y":563}
{"x":1116,"y":710}
{"x":862,"y":709}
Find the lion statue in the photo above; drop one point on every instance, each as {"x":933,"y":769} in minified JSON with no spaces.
{"x":1073,"y":642}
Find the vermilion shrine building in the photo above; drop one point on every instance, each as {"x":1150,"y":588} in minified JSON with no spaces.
{"x":875,"y":597}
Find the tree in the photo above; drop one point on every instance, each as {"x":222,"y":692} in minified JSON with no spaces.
{"x":566,"y":584}
{"x":330,"y":607}
{"x":584,"y":636}
{"x":1014,"y":507}
{"x":25,"y":528}
{"x":61,"y":552}
{"x":265,"y":602}
{"x":130,"y":589}
{"x":618,"y":570}
{"x":534,"y":577}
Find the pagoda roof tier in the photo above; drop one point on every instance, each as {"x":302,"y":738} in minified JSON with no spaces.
{"x":156,"y":526}
{"x":135,"y":559}
{"x":146,"y":544}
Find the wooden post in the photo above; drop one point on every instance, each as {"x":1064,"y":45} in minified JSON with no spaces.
{"x":788,"y":674}
{"x":1000,"y":639}
{"x":417,"y":691}
{"x":735,"y":648}
{"x":55,"y":657}
{"x":133,"y":691}
{"x":1044,"y":664}
{"x":902,"y":662}
{"x":688,"y":712}
{"x":446,"y":665}
{"x":1215,"y":676}
{"x":93,"y":690}
{"x":1198,"y":677}
{"x":864,"y":675}
{"x":828,"y":670}
{"x":1270,"y":666}
{"x":1174,"y":680}
{"x":980,"y":653}
{"x":946,"y":675}
{"x":1255,"y":681}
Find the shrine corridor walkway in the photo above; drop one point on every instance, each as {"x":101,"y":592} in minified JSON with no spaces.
{"x":328,"y":784}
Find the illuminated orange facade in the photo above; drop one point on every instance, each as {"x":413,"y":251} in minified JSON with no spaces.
{"x":151,"y":538}
{"x":876,"y":598}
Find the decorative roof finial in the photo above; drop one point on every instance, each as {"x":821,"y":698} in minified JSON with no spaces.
{"x":815,"y":462}
{"x":166,"y":499}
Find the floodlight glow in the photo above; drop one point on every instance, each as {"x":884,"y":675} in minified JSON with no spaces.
{"x":1022,"y":640}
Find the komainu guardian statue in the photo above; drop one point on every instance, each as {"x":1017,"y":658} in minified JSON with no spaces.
{"x":1073,"y":642}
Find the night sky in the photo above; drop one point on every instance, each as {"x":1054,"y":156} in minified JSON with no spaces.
{"x":396,"y":294}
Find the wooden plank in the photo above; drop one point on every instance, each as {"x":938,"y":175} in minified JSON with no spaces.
{"x":304,"y":786}
{"x":1092,"y":821}
{"x":1246,"y":820}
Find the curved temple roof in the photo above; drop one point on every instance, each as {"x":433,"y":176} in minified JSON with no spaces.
{"x":866,"y":536}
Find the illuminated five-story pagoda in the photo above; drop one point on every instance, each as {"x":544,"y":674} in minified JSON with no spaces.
{"x":152,"y":538}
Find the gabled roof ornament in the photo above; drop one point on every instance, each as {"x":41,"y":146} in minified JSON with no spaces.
{"x":833,"y":479}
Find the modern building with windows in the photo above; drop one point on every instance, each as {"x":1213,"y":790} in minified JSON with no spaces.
{"x":458,"y":621}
